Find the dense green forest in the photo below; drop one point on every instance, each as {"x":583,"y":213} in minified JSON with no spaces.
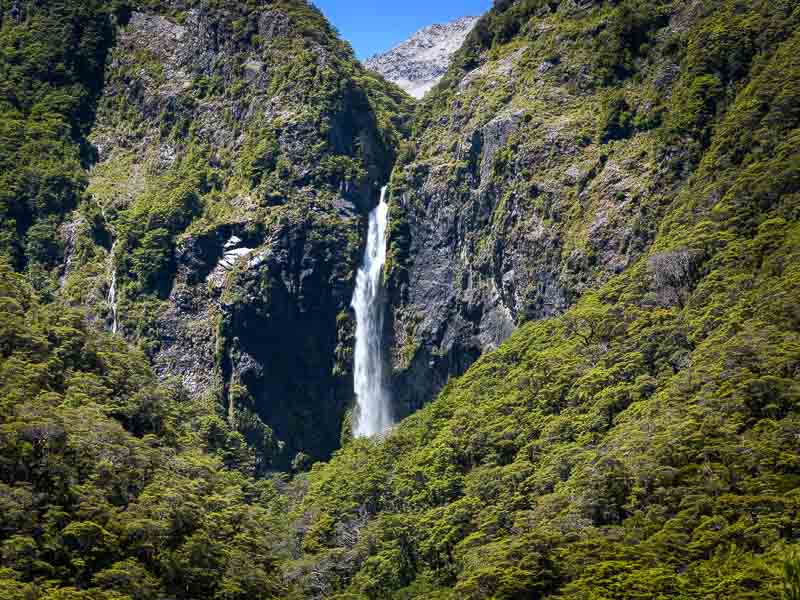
{"x":52,"y":74}
{"x":644,"y":444}
{"x":113,"y":483}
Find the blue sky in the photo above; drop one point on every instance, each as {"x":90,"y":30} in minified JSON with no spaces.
{"x":373,"y":26}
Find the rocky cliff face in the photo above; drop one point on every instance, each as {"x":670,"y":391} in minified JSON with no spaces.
{"x":238,"y":152}
{"x":419,"y":63}
{"x":634,"y":165}
{"x":521,"y":191}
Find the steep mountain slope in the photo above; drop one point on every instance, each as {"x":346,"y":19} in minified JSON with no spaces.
{"x":237,"y":150}
{"x":543,"y":167}
{"x":644,"y":444}
{"x":192,"y":176}
{"x":51,"y":74}
{"x":420,"y":62}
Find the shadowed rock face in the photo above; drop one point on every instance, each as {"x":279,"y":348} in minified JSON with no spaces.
{"x":252,"y":306}
{"x":279,"y":324}
{"x":419,"y":63}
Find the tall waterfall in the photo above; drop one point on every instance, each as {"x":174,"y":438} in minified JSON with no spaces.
{"x":373,"y":413}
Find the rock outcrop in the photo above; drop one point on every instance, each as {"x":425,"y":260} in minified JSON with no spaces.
{"x":419,"y":63}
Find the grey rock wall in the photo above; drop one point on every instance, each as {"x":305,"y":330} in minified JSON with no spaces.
{"x":418,"y":64}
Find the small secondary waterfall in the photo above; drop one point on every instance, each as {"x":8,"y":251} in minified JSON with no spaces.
{"x":112,"y":301}
{"x":373,"y":413}
{"x":112,"y":291}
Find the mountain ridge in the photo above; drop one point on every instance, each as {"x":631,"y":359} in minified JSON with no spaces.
{"x":418,"y":63}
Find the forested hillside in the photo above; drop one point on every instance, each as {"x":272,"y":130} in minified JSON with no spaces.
{"x":148,"y":149}
{"x":194,"y":175}
{"x":114,"y":486}
{"x":645,"y":443}
{"x":593,"y":280}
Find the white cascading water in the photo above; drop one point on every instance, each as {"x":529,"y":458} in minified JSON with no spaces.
{"x":112,"y":291}
{"x":373,"y":414}
{"x":112,"y":301}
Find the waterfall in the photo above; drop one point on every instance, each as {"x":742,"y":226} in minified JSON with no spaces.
{"x":373,"y":413}
{"x":112,"y":291}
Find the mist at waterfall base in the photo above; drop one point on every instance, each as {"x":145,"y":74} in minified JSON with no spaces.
{"x":373,"y":414}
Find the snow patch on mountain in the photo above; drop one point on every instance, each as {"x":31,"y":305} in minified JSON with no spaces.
{"x":418,"y":64}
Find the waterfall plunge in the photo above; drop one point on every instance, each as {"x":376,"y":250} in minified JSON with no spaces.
{"x":373,"y":413}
